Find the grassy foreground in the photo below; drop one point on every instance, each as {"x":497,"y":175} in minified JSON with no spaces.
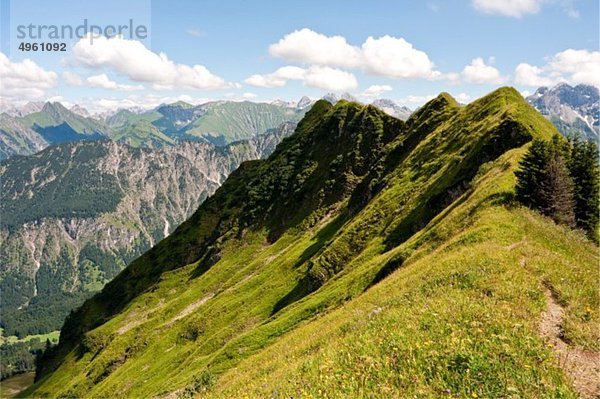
{"x":460,"y":319}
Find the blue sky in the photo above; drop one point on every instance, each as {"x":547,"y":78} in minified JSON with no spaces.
{"x":224,"y":49}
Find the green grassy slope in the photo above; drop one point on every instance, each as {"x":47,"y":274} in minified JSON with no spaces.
{"x":225,"y":122}
{"x":141,"y":133}
{"x":459,"y":316}
{"x":220,"y":123}
{"x":365,"y":257}
{"x":55,"y":114}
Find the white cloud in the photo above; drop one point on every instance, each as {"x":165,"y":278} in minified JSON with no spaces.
{"x":519,"y":8}
{"x":330,"y":79}
{"x":99,"y":81}
{"x":463,"y":98}
{"x":72,"y":79}
{"x":249,"y":96}
{"x":480,"y":73}
{"x":278,"y":78}
{"x":416,"y":100}
{"x":24,"y":80}
{"x":385,"y":56}
{"x":529,"y":75}
{"x":396,"y":58}
{"x":311,"y":47}
{"x":570,"y":66}
{"x":509,"y":8}
{"x":104,"y":82}
{"x":321,"y":77}
{"x":579,"y":66}
{"x":376,"y":90}
{"x":133,"y":60}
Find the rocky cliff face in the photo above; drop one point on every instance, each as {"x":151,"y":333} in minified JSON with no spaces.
{"x":76,"y":214}
{"x":393,"y":109}
{"x":571,"y":109}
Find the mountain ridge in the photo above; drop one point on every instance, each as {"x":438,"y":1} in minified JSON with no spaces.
{"x":221,"y":122}
{"x":238,"y":277}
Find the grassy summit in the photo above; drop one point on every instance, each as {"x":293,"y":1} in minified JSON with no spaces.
{"x":365,"y":257}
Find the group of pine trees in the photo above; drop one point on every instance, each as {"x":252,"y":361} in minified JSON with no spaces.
{"x":560,"y":178}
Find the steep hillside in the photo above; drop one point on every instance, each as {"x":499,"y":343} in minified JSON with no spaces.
{"x":365,"y":257}
{"x":224,"y":121}
{"x":75,"y":214}
{"x":17,"y":139}
{"x":220,"y":122}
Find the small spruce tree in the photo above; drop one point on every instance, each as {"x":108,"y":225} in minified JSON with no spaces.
{"x":544,"y":181}
{"x":556,"y":192}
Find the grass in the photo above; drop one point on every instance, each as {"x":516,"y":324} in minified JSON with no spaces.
{"x":459,"y":318}
{"x":228,"y":121}
{"x":52,"y":336}
{"x":12,"y":386}
{"x":457,"y":313}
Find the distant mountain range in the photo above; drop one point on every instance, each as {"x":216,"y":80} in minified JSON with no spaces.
{"x":571,"y":109}
{"x":28,"y":129}
{"x":393,"y":109}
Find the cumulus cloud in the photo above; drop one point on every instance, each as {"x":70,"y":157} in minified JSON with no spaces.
{"x":463,"y":98}
{"x":330,"y":79}
{"x":104,"y":82}
{"x":509,"y":8}
{"x":519,"y":8}
{"x":570,"y":66}
{"x":321,"y":77}
{"x":579,"y":66}
{"x":133,"y":60}
{"x":72,"y":79}
{"x":99,"y":81}
{"x":385,"y":56}
{"x":416,"y":100}
{"x":529,"y":75}
{"x":25,"y":79}
{"x":278,"y":78}
{"x":376,"y":90}
{"x":480,"y":73}
{"x":311,"y":47}
{"x":396,"y":58}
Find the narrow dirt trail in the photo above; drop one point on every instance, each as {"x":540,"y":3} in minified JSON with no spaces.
{"x":583,"y":367}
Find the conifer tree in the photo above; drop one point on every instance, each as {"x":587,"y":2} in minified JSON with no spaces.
{"x":584,"y":169}
{"x":544,"y":181}
{"x":556,"y":192}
